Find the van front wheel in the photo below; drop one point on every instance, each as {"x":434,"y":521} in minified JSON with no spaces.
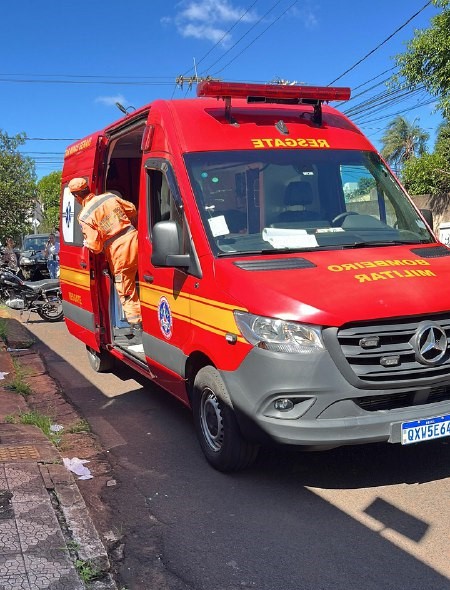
{"x":216,"y":425}
{"x":101,"y":362}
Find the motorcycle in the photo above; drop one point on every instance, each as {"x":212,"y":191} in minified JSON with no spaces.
{"x":42,"y":297}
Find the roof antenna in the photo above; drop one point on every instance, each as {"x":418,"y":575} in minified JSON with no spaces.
{"x":123,"y":109}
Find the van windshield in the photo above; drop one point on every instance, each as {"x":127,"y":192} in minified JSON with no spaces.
{"x":272,"y":200}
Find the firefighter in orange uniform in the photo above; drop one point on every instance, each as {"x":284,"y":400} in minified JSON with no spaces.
{"x":107,"y":224}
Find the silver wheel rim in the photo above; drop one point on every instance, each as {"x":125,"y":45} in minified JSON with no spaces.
{"x":211,"y":420}
{"x":93,"y":357}
{"x":53,"y":310}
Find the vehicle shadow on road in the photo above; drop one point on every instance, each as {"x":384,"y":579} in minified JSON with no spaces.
{"x":363,"y":466}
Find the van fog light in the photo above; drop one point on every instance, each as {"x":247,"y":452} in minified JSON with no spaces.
{"x":283,"y":405}
{"x":390,"y":361}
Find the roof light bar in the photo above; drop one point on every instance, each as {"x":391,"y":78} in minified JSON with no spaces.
{"x":224,"y":90}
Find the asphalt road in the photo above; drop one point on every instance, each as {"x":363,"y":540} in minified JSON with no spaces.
{"x":361,"y":518}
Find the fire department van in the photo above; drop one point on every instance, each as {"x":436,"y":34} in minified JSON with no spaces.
{"x":291,"y":291}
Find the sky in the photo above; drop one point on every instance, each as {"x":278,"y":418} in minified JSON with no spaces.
{"x":65,"y":63}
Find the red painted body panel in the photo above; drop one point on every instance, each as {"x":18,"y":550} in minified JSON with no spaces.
{"x":375,"y":283}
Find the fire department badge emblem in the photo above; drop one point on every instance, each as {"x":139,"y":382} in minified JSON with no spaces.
{"x":165,"y":317}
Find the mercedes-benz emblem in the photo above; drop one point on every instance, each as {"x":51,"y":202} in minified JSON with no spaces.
{"x":429,"y":343}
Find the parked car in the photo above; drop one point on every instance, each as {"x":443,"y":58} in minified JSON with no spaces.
{"x":32,"y":261}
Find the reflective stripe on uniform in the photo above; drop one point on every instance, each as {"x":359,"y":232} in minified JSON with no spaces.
{"x":122,"y":232}
{"x":96,"y":204}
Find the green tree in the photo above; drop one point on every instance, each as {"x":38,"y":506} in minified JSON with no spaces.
{"x":430,"y":174}
{"x":442,"y":146}
{"x":365,"y":185}
{"x":422,"y":176}
{"x":17,"y":187}
{"x":48,"y":190}
{"x":427,"y":58}
{"x":402,"y":141}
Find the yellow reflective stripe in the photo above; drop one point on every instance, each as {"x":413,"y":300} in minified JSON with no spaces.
{"x":77,"y":278}
{"x":213,"y":316}
{"x":150,"y":298}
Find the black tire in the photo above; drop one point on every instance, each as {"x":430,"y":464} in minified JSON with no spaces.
{"x":52,"y":311}
{"x":216,"y":425}
{"x":101,"y":362}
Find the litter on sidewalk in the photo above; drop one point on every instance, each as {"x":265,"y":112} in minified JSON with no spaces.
{"x":76,"y":466}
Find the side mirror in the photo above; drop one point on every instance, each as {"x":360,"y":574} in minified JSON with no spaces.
{"x":166,"y":244}
{"x":427,"y":214}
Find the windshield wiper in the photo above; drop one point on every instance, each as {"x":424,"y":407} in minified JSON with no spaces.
{"x":273,"y":251}
{"x":381,"y":243}
{"x":310,"y":249}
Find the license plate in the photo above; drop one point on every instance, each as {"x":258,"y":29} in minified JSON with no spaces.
{"x":428,"y":429}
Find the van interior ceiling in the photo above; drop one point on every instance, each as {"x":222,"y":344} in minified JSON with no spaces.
{"x":123,"y":165}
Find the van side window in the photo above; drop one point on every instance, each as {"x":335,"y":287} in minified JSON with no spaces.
{"x":163,"y":206}
{"x":364,"y":196}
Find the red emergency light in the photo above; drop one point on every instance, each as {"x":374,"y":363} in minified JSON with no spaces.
{"x":275,"y":92}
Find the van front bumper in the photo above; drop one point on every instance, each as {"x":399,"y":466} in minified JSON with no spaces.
{"x":327,"y":410}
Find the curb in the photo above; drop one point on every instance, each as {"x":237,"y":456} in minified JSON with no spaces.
{"x":76,"y":515}
{"x":68,"y":503}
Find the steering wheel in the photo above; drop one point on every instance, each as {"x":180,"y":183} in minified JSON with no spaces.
{"x":340,"y":218}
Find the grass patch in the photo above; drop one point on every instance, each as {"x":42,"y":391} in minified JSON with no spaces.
{"x":42,"y":421}
{"x":72,"y":546}
{"x":18,"y":382}
{"x":86,"y":570}
{"x":80,"y":426}
{"x":52,"y":431}
{"x":34,"y":418}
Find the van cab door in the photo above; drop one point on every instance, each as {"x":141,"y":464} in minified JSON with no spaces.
{"x":165,"y":291}
{"x":78,"y":272}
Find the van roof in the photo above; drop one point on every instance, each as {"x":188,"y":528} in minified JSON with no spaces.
{"x":254,"y":120}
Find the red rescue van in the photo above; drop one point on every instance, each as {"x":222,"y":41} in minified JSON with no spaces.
{"x":291,"y":291}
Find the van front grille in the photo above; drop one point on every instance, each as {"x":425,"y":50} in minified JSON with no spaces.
{"x":391,"y":340}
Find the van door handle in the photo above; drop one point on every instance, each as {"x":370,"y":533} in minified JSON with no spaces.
{"x":83,"y":264}
{"x":149,"y":278}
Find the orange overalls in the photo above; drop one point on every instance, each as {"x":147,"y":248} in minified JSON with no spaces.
{"x":107,"y":224}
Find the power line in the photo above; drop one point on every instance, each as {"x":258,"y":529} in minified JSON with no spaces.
{"x":392,"y":115}
{"x":244,"y":35}
{"x":92,"y":76}
{"x":354,"y":96}
{"x":96,"y":82}
{"x":372,"y":79}
{"x":380,"y":45}
{"x":205,"y":72}
{"x":51,"y":138}
{"x":256,"y":38}
{"x":382,"y":101}
{"x":223,"y":36}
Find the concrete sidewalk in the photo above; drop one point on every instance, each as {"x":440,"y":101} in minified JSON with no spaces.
{"x":47,"y":538}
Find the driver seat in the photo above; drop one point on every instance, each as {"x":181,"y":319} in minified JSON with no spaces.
{"x":298,"y":194}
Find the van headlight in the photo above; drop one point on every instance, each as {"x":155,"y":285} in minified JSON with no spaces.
{"x":279,"y":335}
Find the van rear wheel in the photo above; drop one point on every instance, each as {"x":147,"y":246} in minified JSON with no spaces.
{"x":101,"y":362}
{"x":216,"y":425}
